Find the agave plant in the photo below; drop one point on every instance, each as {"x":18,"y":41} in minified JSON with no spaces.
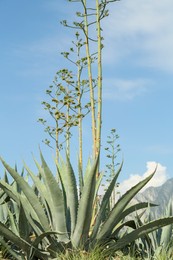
{"x":50,"y":215}
{"x":159,"y":241}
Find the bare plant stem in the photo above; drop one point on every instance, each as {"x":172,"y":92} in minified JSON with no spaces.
{"x":68,"y":132}
{"x":56,"y":140}
{"x":90,"y":77}
{"x":79,"y":110}
{"x":99,"y":112}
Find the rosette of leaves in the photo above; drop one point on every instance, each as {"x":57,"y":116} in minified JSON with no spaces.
{"x":159,"y":241}
{"x":50,"y":216}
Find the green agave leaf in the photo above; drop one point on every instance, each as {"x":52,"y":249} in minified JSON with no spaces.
{"x":31,"y":196}
{"x":148,"y":241}
{"x":88,"y":168}
{"x":96,"y":202}
{"x":19,"y":242}
{"x":10,"y":191}
{"x":3,"y":213}
{"x":128,"y":211}
{"x":129,"y":223}
{"x":98,"y":183}
{"x":31,"y":216}
{"x":139,"y":232}
{"x":61,"y":168}
{"x":1,"y":194}
{"x":41,"y":189}
{"x":166,"y":234}
{"x":116,"y":212}
{"x":10,"y":250}
{"x":58,"y":209}
{"x":15,"y":208}
{"x":13,"y":224}
{"x":24,"y":227}
{"x":134,"y":208}
{"x":69,"y":183}
{"x":5,"y":178}
{"x":39,"y":240}
{"x":43,"y":235}
{"x":80,"y":174}
{"x":41,"y":179}
{"x":105,"y":202}
{"x":85,"y":207}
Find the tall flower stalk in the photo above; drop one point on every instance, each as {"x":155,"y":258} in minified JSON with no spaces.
{"x":74,"y":88}
{"x":90,"y":74}
{"x":99,"y":78}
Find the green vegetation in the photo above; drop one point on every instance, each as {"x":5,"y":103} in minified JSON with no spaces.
{"x":53,"y":215}
{"x":43,"y":218}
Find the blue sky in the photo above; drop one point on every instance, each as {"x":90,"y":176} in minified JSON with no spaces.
{"x":137,"y":71}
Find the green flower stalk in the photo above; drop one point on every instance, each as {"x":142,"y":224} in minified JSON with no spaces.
{"x":90,"y":76}
{"x":99,"y":79}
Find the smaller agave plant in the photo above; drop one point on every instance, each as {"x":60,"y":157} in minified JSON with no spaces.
{"x":46,"y":216}
{"x":158,"y":242}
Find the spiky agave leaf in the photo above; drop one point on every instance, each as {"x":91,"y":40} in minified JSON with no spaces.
{"x":21,"y":243}
{"x":3,"y":206}
{"x":18,"y":199}
{"x":96,"y":203}
{"x":80,"y":174}
{"x":133,"y":209}
{"x":115,"y":215}
{"x":10,"y":191}
{"x":84,"y":216}
{"x":56,"y":199}
{"x":88,"y":169}
{"x":8,"y":250}
{"x":68,"y":180}
{"x":23,"y":225}
{"x":31,"y":216}
{"x":161,"y":238}
{"x":166,"y":234}
{"x":41,"y":191}
{"x":104,"y":203}
{"x":31,"y":196}
{"x":127,"y":212}
{"x":12,"y":222}
{"x":3,"y":212}
{"x":138,"y":233}
{"x":55,"y":246}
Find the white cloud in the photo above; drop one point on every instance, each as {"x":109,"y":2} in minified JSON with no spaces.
{"x":158,"y":179}
{"x":120,"y":89}
{"x":143,"y":28}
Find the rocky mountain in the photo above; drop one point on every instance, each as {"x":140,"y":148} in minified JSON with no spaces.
{"x":158,"y":195}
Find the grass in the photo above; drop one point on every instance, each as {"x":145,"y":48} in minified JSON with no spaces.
{"x":98,"y":254}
